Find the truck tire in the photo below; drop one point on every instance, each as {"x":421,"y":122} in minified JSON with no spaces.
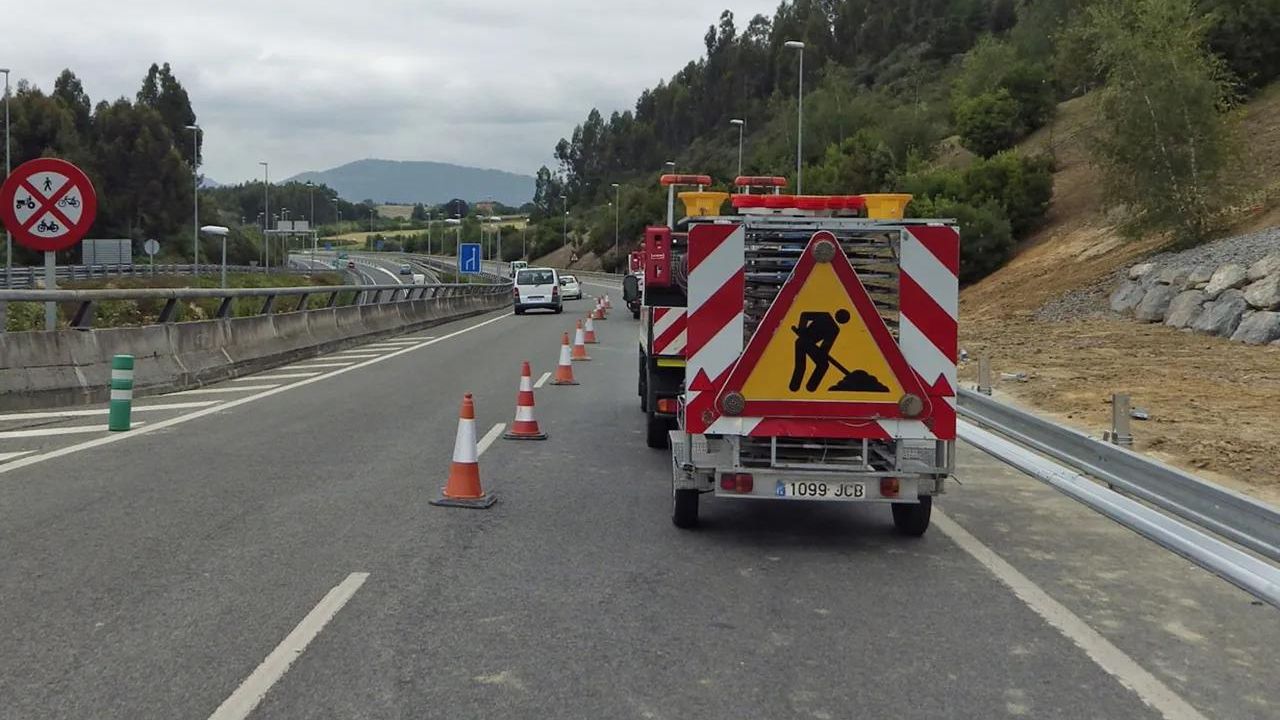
{"x":656,"y":431}
{"x":684,"y":508}
{"x":913,"y":518}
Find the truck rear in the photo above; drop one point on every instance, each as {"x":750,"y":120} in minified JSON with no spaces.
{"x":820,"y":356}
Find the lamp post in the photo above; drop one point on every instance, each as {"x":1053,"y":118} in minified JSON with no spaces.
{"x":797,"y":45}
{"x":564,"y":204}
{"x":617,"y":211}
{"x":741,"y":125}
{"x":266,"y":215}
{"x":671,"y":197}
{"x":219,"y":231}
{"x":195,"y":197}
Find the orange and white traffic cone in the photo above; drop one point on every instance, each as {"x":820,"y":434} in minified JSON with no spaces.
{"x":596,"y":314}
{"x":601,"y":310}
{"x":607,"y":305}
{"x":564,"y":370}
{"x":463,"y":486}
{"x":579,"y":344}
{"x":525,"y":427}
{"x":589,"y":332}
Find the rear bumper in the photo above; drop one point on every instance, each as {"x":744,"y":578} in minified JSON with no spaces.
{"x":538,"y":306}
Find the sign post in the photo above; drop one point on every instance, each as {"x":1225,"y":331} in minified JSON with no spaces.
{"x":151,"y":247}
{"x":49,"y":205}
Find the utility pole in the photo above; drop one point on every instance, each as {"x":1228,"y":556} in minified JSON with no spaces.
{"x":266,"y":215}
{"x":195,"y":197}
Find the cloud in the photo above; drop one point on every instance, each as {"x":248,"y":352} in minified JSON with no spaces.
{"x":309,"y":86}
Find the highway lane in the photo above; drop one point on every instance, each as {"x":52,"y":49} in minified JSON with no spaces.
{"x":150,"y":577}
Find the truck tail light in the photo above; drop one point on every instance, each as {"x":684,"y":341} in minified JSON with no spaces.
{"x":667,"y":405}
{"x":737,"y":482}
{"x":889,"y":487}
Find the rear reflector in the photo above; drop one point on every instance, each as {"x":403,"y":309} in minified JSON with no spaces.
{"x":737,"y":482}
{"x":889,"y":487}
{"x":666,"y":405}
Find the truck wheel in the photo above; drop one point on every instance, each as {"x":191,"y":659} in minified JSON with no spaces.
{"x":684,"y":508}
{"x":913,"y":518}
{"x":636,"y":313}
{"x":656,"y":431}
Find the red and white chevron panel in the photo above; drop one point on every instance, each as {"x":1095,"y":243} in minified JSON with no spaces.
{"x":929,"y":291}
{"x":669,"y":331}
{"x":714,"y":325}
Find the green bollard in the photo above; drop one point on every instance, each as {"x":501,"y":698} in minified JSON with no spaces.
{"x":121,"y":393}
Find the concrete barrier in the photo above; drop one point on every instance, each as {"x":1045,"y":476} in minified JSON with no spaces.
{"x":73,"y":367}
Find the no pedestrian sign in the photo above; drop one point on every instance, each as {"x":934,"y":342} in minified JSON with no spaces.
{"x":48,"y":204}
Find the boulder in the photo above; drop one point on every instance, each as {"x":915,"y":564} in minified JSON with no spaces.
{"x":1184,"y":309}
{"x":1259,"y":328}
{"x":1174,"y":276}
{"x":1127,"y":296}
{"x":1269,"y":265}
{"x":1138,"y":271}
{"x":1264,"y":294}
{"x":1155,"y":303}
{"x":1199,"y":277}
{"x":1226,"y":277}
{"x":1222,"y":316}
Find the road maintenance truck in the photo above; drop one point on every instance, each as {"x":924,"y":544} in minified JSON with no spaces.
{"x":819,"y":352}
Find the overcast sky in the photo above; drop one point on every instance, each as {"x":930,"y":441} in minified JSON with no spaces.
{"x":313,"y":85}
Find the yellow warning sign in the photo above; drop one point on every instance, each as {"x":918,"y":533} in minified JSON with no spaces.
{"x":822,"y":348}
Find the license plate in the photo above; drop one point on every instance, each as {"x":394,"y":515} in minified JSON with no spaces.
{"x":820,"y":490}
{"x":536,"y":297}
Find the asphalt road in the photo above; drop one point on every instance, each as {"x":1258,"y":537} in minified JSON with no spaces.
{"x":149,"y":575}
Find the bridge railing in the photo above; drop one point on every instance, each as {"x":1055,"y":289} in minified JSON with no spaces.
{"x":29,"y":277}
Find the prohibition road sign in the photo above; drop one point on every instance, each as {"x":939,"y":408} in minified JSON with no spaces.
{"x":48,"y":204}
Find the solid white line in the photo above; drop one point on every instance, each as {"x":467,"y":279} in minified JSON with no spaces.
{"x":50,"y":414}
{"x":46,"y":432}
{"x":542,"y":380}
{"x":222,"y":390}
{"x":1110,"y":658}
{"x":351,"y":356}
{"x":313,"y":366}
{"x":488,"y":438}
{"x":11,"y":455}
{"x":285,"y":376}
{"x":255,"y":687}
{"x":170,"y":422}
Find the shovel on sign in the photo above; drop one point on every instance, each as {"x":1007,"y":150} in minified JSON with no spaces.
{"x":853,"y":380}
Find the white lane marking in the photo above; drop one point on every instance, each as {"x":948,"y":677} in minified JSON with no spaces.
{"x":352,"y":356}
{"x":283,"y":376}
{"x":46,"y":432}
{"x":223,"y":390}
{"x":50,"y":414}
{"x":313,"y":366}
{"x":11,"y":455}
{"x":1110,"y":658}
{"x":268,"y":673}
{"x":170,"y":422}
{"x":489,"y":437}
{"x":542,"y":380}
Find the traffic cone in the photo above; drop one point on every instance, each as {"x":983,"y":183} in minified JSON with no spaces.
{"x":589,"y":332}
{"x":463,"y":486}
{"x":601,"y":312}
{"x":595,"y":312}
{"x":579,"y":344}
{"x":525,"y":427}
{"x":564,"y":370}
{"x":607,"y":305}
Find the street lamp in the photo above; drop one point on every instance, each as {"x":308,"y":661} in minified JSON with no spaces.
{"x":8,"y":239}
{"x":564,"y":204}
{"x":617,"y":210}
{"x":266,"y":215}
{"x":671,"y":196}
{"x":741,"y":125}
{"x":797,"y":45}
{"x":219,"y":231}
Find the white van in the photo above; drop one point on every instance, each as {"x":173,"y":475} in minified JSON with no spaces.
{"x":537,"y":288}
{"x":518,"y":265}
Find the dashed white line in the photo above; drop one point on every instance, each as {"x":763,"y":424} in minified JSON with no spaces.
{"x":223,"y":390}
{"x":1107,"y":656}
{"x":283,"y":376}
{"x":489,"y":437}
{"x":268,"y":673}
{"x":52,"y":414}
{"x":49,"y":431}
{"x":542,"y":380}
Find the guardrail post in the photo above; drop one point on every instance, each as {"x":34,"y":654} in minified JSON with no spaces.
{"x":377,"y":296}
{"x":83,"y":319}
{"x":333,"y":299}
{"x":224,"y":309}
{"x":268,"y":305}
{"x":302,"y":301}
{"x":1120,"y":434}
{"x":121,"y":407}
{"x":984,"y":375}
{"x":167,"y":312}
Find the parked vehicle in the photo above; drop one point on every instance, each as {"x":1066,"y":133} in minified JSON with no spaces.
{"x":537,"y":288}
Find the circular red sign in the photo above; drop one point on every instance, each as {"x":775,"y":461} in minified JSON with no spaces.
{"x":48,"y":204}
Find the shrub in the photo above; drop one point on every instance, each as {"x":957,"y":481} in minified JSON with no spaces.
{"x":989,"y":122}
{"x":986,"y":240}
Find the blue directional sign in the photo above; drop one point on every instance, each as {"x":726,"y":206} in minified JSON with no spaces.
{"x":469,"y":257}
{"x":328,"y":246}
{"x":377,"y":245}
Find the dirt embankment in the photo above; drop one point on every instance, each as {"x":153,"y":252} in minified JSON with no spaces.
{"x":1214,"y":404}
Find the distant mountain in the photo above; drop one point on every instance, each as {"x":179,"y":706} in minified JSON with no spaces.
{"x":208,"y":182}
{"x":394,"y":181}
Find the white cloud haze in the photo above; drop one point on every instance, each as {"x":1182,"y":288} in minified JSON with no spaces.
{"x":307,"y":86}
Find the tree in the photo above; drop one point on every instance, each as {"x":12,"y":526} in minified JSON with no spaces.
{"x":988,"y":123}
{"x":1165,"y":133}
{"x":419,"y":212}
{"x":859,"y":164}
{"x":68,"y":90}
{"x":162,"y":92}
{"x":150,"y":188}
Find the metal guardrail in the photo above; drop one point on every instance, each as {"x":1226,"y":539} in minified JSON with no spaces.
{"x":1236,"y":517}
{"x":86,"y":300}
{"x":28,"y":277}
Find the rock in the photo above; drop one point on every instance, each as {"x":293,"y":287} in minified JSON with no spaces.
{"x":1155,"y":303}
{"x":1228,"y":276}
{"x":1199,"y":276}
{"x":1174,"y":276}
{"x":1268,"y":265}
{"x":1222,"y":316}
{"x":1127,"y":296}
{"x":1138,"y":271}
{"x":1259,"y":328}
{"x":1184,"y":309}
{"x":1264,"y":294}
